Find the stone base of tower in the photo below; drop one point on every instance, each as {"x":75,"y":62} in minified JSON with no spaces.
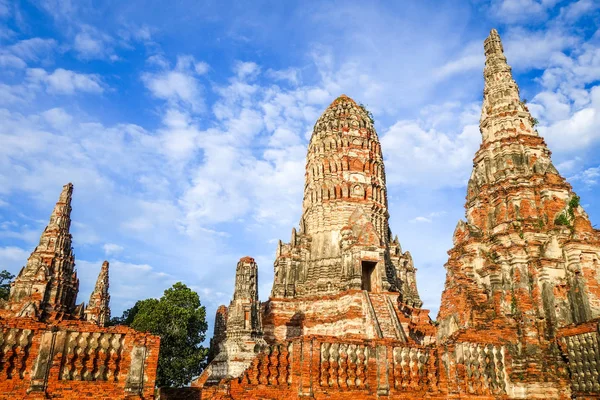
{"x":356,"y":314}
{"x":484,"y":363}
{"x":471,"y":365}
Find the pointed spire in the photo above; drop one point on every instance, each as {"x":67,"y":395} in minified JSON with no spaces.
{"x":49,"y":280}
{"x":61,"y":215}
{"x":503,"y":113}
{"x":98,"y":310}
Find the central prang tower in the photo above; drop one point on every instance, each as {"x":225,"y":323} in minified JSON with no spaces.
{"x":341,"y":275}
{"x":344,"y":241}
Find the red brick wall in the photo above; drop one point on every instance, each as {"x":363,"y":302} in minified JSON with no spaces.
{"x":327,"y":368}
{"x":75,"y":360}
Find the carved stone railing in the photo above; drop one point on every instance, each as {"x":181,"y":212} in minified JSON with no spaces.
{"x":67,"y":357}
{"x":476,"y":369}
{"x":317,"y":366}
{"x":414,"y":369}
{"x":580,"y":345}
{"x":271,"y":367}
{"x":15,"y":348}
{"x":343,"y":365}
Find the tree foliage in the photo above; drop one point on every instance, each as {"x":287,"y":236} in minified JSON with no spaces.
{"x":180,"y":321}
{"x":5,"y":279}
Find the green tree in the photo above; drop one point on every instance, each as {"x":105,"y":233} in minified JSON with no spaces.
{"x":128,"y":315}
{"x":180,"y":321}
{"x":5,"y":279}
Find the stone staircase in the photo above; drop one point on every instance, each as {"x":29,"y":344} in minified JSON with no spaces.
{"x":386,"y":319}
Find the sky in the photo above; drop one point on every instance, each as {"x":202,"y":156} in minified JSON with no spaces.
{"x":183,"y":125}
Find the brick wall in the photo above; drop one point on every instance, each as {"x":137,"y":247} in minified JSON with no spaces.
{"x":326,"y":368}
{"x":75,"y":360}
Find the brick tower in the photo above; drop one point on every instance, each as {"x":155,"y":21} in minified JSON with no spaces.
{"x":525,"y":263}
{"x":343,"y":257}
{"x":47,"y":286}
{"x":98,"y":310}
{"x":238,"y":328}
{"x":344,"y":241}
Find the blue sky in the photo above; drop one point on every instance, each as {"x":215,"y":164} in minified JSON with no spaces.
{"x":183,"y":125}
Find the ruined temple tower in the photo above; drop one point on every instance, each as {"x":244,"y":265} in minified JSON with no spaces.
{"x":342,"y":274}
{"x":343,"y":257}
{"x":47,"y":286}
{"x":98,"y":310}
{"x":525,"y":263}
{"x":238,"y":328}
{"x":51,"y":348}
{"x":344,"y":241}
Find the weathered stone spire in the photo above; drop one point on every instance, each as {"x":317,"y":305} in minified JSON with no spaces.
{"x":524,"y":264}
{"x":219,"y":332}
{"x":344,"y":241}
{"x":503,"y":114}
{"x":344,"y":172}
{"x":48,"y":284}
{"x":98,"y":310}
{"x":243,"y":336}
{"x":243,"y":315}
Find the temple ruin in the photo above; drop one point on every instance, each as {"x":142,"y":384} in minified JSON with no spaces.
{"x":520,"y":310}
{"x":50,"y":347}
{"x":519,"y":317}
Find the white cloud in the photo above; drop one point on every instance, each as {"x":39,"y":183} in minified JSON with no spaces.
{"x":464,"y":64}
{"x":90,"y":43}
{"x":178,"y":86}
{"x":579,"y":131}
{"x":12,"y":258}
{"x":420,"y":219}
{"x":11,"y":94}
{"x":32,"y":49}
{"x":428,"y":218}
{"x":246,"y":70}
{"x":63,"y":81}
{"x":290,"y":75}
{"x":591,"y":176}
{"x":416,"y":154}
{"x":201,"y":68}
{"x":111,"y":248}
{"x":554,"y":106}
{"x":514,"y":11}
{"x":572,"y":12}
{"x":57,"y":117}
{"x":11,"y":61}
{"x":527,"y":49}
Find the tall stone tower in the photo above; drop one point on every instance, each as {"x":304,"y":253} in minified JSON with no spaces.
{"x":98,"y":310}
{"x":236,"y":343}
{"x":47,"y":286}
{"x":342,"y":274}
{"x":525,"y":263}
{"x":343,"y":257}
{"x":344,"y":241}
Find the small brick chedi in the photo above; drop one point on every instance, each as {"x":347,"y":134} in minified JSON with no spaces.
{"x":521,"y":305}
{"x":50,"y":347}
